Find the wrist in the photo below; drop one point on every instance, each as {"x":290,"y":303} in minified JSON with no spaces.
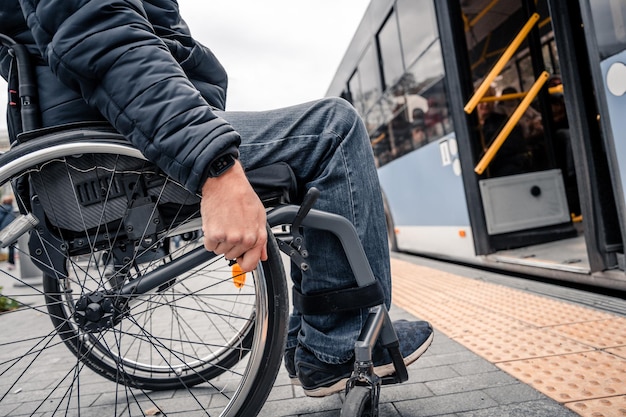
{"x":220,"y":165}
{"x":228,"y":179}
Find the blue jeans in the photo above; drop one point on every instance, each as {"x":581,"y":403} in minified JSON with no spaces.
{"x":327,"y":146}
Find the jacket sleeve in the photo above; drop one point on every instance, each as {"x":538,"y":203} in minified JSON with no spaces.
{"x":108,"y":52}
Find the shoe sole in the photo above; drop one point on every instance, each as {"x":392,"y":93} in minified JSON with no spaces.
{"x":381,"y":371}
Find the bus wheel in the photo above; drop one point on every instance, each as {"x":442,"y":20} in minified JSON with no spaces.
{"x":391,"y":232}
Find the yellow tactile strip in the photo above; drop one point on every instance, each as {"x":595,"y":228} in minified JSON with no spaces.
{"x":605,"y":407}
{"x":575,"y":355}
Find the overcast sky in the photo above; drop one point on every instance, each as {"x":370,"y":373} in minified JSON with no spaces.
{"x":276,"y":52}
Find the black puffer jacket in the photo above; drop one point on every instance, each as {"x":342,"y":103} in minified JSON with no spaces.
{"x":135,"y":63}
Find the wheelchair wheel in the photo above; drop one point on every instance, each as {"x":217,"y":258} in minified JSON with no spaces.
{"x":109,"y":223}
{"x":358,"y":403}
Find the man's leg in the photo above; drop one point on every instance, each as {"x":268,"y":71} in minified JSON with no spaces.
{"x":327,"y":146}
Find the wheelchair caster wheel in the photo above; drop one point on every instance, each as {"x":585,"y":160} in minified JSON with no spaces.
{"x":359,"y":403}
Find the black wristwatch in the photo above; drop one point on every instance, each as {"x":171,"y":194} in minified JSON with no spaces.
{"x":221,"y":165}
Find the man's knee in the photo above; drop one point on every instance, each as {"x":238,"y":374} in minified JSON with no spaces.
{"x":341,"y":107}
{"x":343,"y":119}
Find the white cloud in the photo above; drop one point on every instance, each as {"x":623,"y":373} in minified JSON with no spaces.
{"x":276,"y":52}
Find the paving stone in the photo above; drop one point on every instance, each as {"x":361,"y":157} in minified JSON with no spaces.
{"x":515,"y":393}
{"x":540,"y":408}
{"x":445,"y":404}
{"x":300,"y":406}
{"x":463,"y":383}
{"x":474,"y":367}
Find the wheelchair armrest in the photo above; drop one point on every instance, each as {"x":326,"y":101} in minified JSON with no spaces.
{"x":275,"y":184}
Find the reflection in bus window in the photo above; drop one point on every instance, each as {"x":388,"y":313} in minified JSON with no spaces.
{"x":610,"y":25}
{"x":400,"y":130}
{"x":427,"y":84}
{"x":415,"y":110}
{"x":397,"y":85}
{"x":354,"y":85}
{"x":390,"y":51}
{"x":369,"y":78}
{"x":381,"y":146}
{"x":417,"y":27}
{"x":418,"y":128}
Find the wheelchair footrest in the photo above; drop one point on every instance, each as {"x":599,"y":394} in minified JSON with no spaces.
{"x":402,"y":374}
{"x":390,"y":380}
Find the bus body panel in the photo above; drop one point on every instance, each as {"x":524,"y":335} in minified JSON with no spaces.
{"x":448,"y":242}
{"x":429,"y":210}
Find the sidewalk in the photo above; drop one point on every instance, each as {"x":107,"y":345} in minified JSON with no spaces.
{"x":448,"y":380}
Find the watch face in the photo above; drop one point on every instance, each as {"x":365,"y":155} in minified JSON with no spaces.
{"x":221,"y":164}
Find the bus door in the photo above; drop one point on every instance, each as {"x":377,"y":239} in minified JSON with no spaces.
{"x":518,"y":123}
{"x":600,"y":51}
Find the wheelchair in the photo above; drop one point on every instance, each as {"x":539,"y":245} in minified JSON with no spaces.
{"x":134,"y":296}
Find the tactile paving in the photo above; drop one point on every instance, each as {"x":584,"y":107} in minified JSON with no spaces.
{"x":454,"y":318}
{"x":604,"y":407}
{"x":620,"y":351}
{"x":573,"y":354}
{"x":575,"y":377}
{"x":599,"y":334}
{"x":521,"y":343}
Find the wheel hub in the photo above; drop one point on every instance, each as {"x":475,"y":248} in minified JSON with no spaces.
{"x":94,"y":312}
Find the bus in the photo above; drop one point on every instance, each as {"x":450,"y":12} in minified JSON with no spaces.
{"x":499,"y":131}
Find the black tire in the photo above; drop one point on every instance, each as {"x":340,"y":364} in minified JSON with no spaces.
{"x":358,"y":403}
{"x":391,"y":230}
{"x":199,"y":326}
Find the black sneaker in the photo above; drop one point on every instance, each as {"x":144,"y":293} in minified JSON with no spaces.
{"x":290,"y":365}
{"x":320,"y":379}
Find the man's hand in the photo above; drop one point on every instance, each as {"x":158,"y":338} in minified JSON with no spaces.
{"x":233,"y":218}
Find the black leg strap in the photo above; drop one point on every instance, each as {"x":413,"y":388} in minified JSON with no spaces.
{"x":339,"y":300}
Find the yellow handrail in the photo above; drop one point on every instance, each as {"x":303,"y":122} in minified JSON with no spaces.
{"x":506,"y":97}
{"x":499,"y":66}
{"x":514,"y":96}
{"x":510,"y":124}
{"x":379,"y":139}
{"x":480,"y":15}
{"x":503,"y":97}
{"x":556,"y":89}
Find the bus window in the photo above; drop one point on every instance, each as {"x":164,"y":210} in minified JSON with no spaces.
{"x":400,"y":128}
{"x":426,"y":92}
{"x":381,"y":144}
{"x":375,"y":117}
{"x":610,"y":25}
{"x":390,"y":52}
{"x":369,"y":78}
{"x":417,"y":27}
{"x":550,"y":57}
{"x":354,"y":85}
{"x":525,"y":70}
{"x":414,"y":111}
